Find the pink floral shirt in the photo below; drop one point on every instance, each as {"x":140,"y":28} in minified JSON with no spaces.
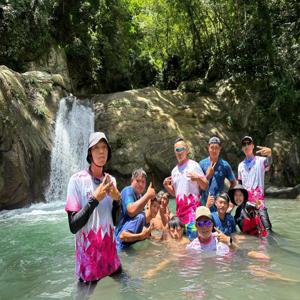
{"x":187,"y":191}
{"x":253,"y":178}
{"x":95,"y":243}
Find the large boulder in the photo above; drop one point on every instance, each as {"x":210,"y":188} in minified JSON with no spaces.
{"x":286,"y":156}
{"x":284,"y":193}
{"x":143,"y":124}
{"x":28,"y":103}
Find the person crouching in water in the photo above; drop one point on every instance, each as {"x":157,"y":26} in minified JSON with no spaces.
{"x":223,"y":221}
{"x":140,"y":228}
{"x":206,"y":241}
{"x":164,"y":215}
{"x":247,"y":215}
{"x":174,"y":231}
{"x":89,"y":206}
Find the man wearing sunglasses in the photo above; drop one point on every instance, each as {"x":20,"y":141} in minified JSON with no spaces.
{"x":251,"y":174}
{"x":184,"y":184}
{"x":206,"y":241}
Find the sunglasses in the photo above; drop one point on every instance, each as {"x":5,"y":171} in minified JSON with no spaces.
{"x":180,"y":149}
{"x":246,"y":144}
{"x":207,"y":223}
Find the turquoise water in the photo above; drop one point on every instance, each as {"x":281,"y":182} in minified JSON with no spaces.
{"x":37,"y":262}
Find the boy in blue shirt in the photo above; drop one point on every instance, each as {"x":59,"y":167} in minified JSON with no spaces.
{"x":223,"y":220}
{"x":216,"y":170}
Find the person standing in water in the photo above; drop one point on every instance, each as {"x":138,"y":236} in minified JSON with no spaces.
{"x":251,"y":174}
{"x":216,"y":170}
{"x":184,"y":184}
{"x":89,"y":206}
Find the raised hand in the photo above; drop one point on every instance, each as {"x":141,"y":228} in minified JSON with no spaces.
{"x":103,"y":188}
{"x":258,"y":204}
{"x":150,"y":191}
{"x":222,"y":238}
{"x":113,"y":191}
{"x":168,"y":181}
{"x":264,"y":151}
{"x":211,"y":170}
{"x":210,"y":200}
{"x":147,"y":231}
{"x":193,"y":175}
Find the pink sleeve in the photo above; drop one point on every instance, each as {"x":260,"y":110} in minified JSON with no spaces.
{"x":73,"y":203}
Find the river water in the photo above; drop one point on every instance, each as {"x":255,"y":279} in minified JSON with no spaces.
{"x":37,"y":262}
{"x":37,"y":248}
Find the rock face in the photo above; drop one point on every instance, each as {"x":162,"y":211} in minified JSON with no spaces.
{"x":54,"y":61}
{"x":27,"y":108}
{"x":142,"y":126}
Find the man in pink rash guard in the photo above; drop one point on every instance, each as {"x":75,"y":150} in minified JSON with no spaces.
{"x":185,"y":182}
{"x":90,"y":197}
{"x":251,"y":174}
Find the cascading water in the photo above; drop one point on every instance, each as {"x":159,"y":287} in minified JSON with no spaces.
{"x":74,"y":123}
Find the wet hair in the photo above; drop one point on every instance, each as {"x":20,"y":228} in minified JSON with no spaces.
{"x":162,"y":194}
{"x":138,"y":172}
{"x":155,"y":199}
{"x":175,"y":222}
{"x":224,"y":196}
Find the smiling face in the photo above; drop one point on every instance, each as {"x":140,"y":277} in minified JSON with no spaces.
{"x":181,"y":151}
{"x":138,"y":183}
{"x":238,"y":197}
{"x":99,"y":153}
{"x":176,"y":232}
{"x":214,"y":151}
{"x":204,"y":227}
{"x":222,"y":205}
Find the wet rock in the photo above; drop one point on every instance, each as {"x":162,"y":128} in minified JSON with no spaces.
{"x":284,"y":192}
{"x":28,"y":103}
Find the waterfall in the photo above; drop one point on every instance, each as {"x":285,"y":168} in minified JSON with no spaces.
{"x":74,"y":123}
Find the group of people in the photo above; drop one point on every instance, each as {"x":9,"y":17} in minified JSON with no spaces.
{"x":203,"y":209}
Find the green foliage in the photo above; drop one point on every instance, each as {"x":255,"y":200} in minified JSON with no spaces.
{"x":40,"y":110}
{"x":114,"y":45}
{"x":24,"y":32}
{"x":101,"y":44}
